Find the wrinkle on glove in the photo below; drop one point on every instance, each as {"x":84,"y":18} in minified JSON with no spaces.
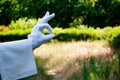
{"x":17,"y":60}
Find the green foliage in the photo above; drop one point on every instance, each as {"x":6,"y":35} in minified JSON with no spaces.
{"x":22,"y":23}
{"x":116,"y":41}
{"x":77,"y":34}
{"x":14,"y":35}
{"x":96,"y":13}
{"x":113,"y":36}
{"x":110,"y":33}
{"x":102,"y":13}
{"x":97,"y":69}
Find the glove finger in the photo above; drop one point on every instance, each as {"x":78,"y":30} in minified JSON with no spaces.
{"x":47,"y":18}
{"x":47,"y":26}
{"x":47,"y":13}
{"x":50,"y":17}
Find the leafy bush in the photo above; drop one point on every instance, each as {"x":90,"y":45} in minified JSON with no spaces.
{"x":22,"y":23}
{"x":77,"y":34}
{"x":69,"y":34}
{"x":116,"y":42}
{"x":14,"y":35}
{"x":113,"y":36}
{"x":110,"y":33}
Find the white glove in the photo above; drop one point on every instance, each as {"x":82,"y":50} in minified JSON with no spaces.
{"x":37,"y":35}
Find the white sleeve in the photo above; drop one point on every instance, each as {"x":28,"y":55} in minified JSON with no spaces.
{"x":17,"y":60}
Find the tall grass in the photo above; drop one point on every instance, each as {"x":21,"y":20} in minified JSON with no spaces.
{"x":76,"y":61}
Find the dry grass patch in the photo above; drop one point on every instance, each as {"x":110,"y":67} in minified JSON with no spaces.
{"x":60,"y":58}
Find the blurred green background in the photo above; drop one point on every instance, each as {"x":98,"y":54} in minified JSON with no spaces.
{"x":74,"y":20}
{"x":95,"y":13}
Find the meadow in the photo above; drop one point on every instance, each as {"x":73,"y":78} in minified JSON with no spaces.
{"x":82,"y":60}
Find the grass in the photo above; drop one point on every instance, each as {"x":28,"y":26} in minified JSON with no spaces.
{"x":76,"y":61}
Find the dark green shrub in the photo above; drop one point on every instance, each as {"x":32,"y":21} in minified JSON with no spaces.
{"x":116,"y":42}
{"x":96,"y":13}
{"x":14,"y":35}
{"x":113,"y":37}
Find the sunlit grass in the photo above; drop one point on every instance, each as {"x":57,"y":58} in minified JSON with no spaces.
{"x":76,"y":61}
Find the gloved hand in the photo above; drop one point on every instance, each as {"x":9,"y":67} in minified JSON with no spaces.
{"x":37,"y":35}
